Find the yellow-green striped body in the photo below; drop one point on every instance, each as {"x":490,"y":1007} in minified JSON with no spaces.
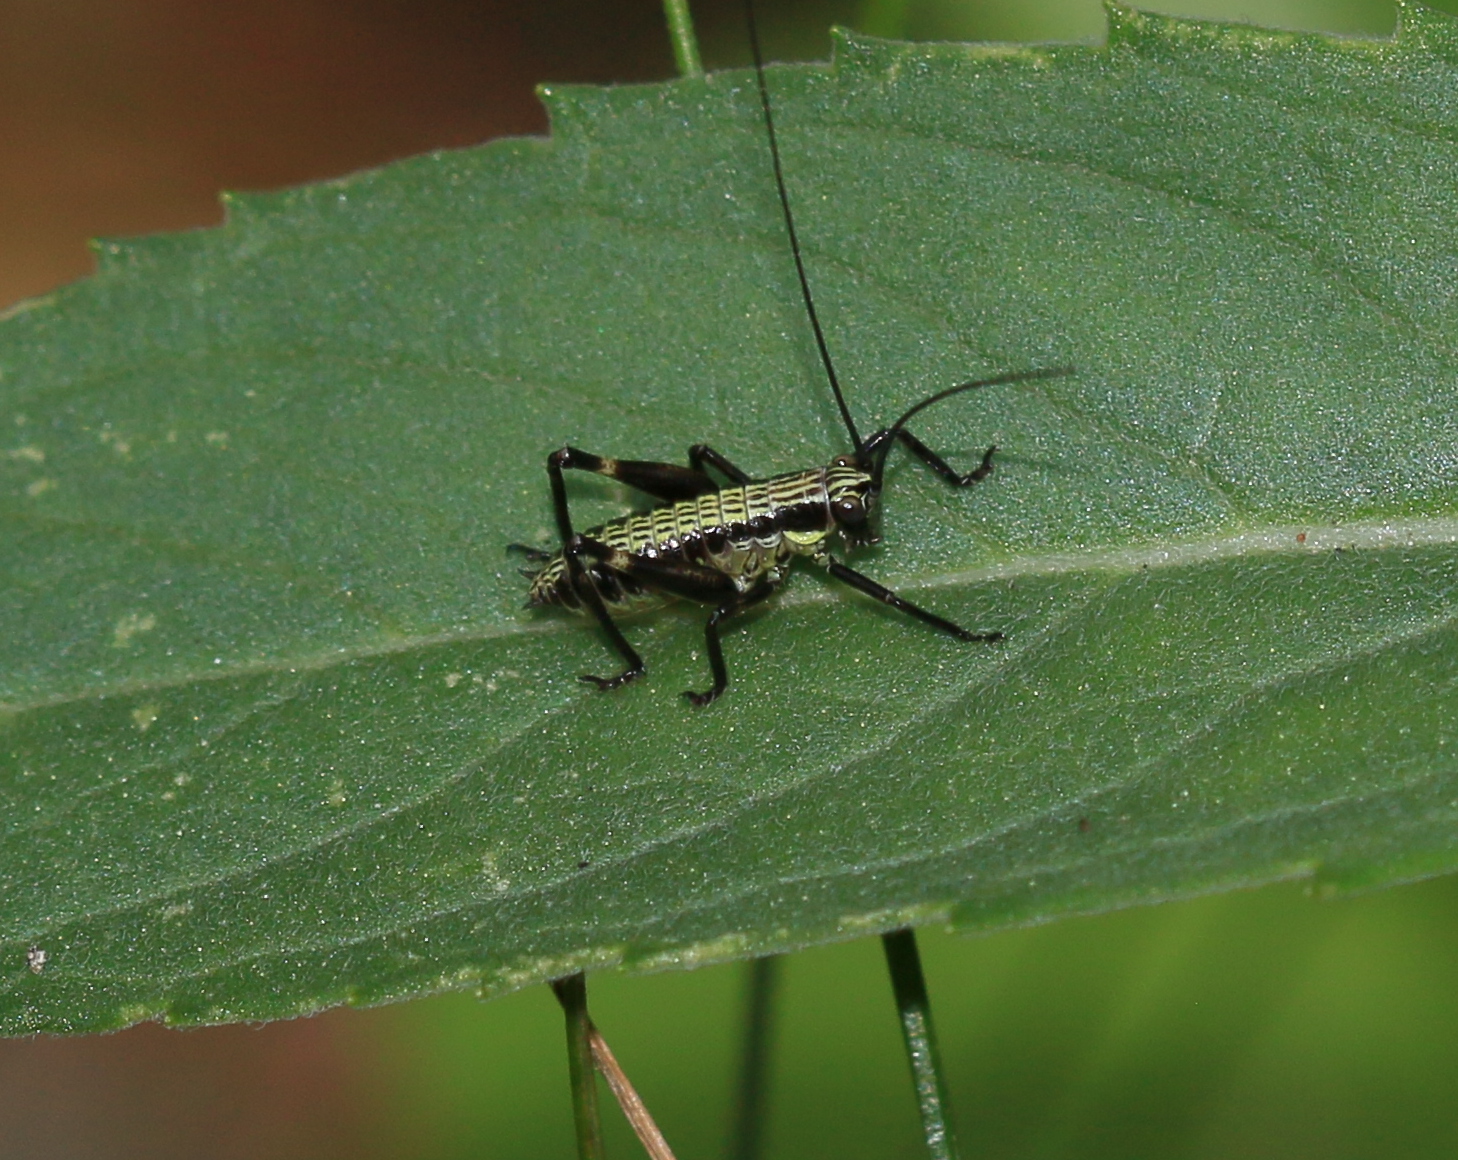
{"x":748,"y":532}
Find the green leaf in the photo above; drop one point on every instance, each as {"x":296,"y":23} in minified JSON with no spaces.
{"x":275,"y":732}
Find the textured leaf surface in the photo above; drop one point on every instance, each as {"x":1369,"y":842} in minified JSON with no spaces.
{"x":275,"y":732}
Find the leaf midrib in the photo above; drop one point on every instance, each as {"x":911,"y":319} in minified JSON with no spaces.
{"x":1253,"y":543}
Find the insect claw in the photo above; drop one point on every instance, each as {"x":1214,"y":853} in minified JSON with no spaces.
{"x":606,"y":683}
{"x":981,"y":471}
{"x":699,"y":700}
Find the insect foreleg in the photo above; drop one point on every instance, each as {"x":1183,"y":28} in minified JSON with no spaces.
{"x":886,"y":596}
{"x":701,"y":454}
{"x":665,"y":481}
{"x":941,"y":466}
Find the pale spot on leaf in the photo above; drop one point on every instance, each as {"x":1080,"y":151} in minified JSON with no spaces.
{"x":129,"y":626}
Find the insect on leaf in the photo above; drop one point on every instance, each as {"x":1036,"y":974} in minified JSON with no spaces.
{"x":275,"y":732}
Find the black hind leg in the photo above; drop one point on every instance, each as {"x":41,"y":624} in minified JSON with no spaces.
{"x":576,"y":552}
{"x":672,"y":577}
{"x":666,"y":481}
{"x":701,"y":454}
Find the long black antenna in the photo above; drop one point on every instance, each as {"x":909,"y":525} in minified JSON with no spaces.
{"x":769,"y":124}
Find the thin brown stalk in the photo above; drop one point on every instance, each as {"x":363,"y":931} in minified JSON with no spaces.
{"x":628,"y":1099}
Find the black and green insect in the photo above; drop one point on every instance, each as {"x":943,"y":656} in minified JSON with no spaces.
{"x":729,"y":546}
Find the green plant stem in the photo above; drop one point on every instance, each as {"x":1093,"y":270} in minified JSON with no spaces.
{"x":572,"y":994}
{"x":681,"y":33}
{"x":747,"y":1130}
{"x":914,"y":1006}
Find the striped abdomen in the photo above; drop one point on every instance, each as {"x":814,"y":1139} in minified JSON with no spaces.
{"x":747,"y":532}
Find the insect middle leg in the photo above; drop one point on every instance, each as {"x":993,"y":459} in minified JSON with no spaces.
{"x":716,"y":650}
{"x":886,"y":596}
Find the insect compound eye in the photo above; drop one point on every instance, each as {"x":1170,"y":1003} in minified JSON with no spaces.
{"x":850,"y":511}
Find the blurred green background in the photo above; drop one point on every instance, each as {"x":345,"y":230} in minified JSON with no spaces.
{"x":1260,"y":1024}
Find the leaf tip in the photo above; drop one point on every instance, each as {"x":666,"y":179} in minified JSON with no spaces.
{"x":570,"y":109}
{"x":1430,"y":28}
{"x":113,"y":253}
{"x":1124,"y":25}
{"x":852,"y":50}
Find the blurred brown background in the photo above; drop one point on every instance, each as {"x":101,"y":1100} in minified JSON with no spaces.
{"x":128,"y":116}
{"x":125,"y":117}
